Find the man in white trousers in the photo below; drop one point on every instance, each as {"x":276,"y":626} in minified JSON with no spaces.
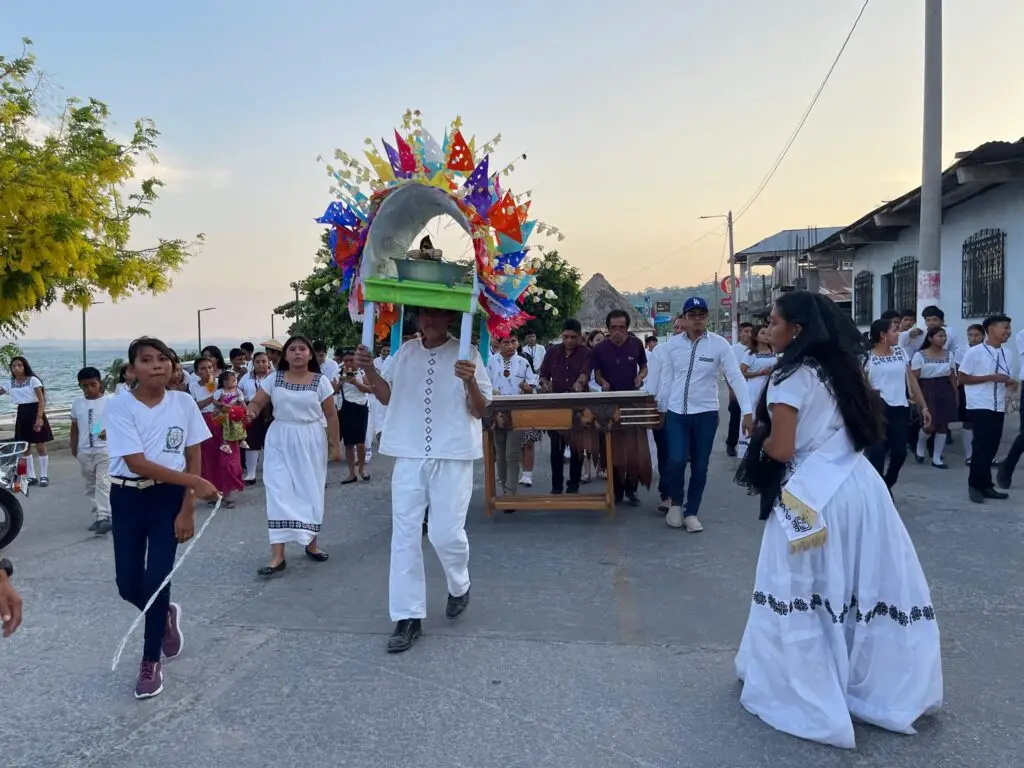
{"x":432,"y":428}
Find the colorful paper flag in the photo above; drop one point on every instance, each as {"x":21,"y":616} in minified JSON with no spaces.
{"x":384,"y":171}
{"x":460,"y":159}
{"x":508,"y":245}
{"x":406,"y":158}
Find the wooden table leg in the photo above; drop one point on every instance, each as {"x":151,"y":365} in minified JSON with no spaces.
{"x":489,"y":491}
{"x":609,"y":468}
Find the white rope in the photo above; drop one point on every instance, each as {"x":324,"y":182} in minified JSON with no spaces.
{"x":166,"y":581}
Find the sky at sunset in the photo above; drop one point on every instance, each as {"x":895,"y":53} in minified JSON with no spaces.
{"x":636,"y":118}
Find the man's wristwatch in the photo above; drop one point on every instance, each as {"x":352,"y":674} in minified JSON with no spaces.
{"x":7,"y":567}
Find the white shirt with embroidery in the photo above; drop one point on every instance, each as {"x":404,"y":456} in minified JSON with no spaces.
{"x":983,"y":360}
{"x":428,"y":414}
{"x":508,"y":375}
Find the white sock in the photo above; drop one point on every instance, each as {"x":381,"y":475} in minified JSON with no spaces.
{"x":968,"y":438}
{"x":31,"y":466}
{"x":922,"y":444}
{"x":44,"y":462}
{"x":251,"y":457}
{"x":940,"y":443}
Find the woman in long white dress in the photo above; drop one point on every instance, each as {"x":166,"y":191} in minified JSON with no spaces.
{"x":841,"y":623}
{"x":295,"y":451}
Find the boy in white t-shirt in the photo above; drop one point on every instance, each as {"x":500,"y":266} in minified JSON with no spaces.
{"x":89,"y":445}
{"x":153,"y":438}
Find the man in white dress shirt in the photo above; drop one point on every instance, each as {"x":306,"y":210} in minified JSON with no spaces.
{"x":435,"y":402}
{"x":689,"y":365}
{"x":533,"y":352}
{"x":510,"y":375}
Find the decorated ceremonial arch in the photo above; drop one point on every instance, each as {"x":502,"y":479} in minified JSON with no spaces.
{"x":381,"y":208}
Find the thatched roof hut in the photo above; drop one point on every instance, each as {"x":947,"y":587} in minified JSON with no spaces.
{"x":599,"y":298}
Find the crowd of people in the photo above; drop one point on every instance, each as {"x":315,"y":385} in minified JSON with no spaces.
{"x":841,"y":622}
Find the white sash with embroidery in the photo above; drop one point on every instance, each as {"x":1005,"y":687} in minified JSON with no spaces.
{"x":811,"y":487}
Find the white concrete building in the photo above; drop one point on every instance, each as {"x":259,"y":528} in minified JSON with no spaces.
{"x":982,"y":240}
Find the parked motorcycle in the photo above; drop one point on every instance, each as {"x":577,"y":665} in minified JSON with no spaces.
{"x":13,"y":480}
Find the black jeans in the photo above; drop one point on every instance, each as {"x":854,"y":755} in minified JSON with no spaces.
{"x":558,"y":446}
{"x":732,"y":436}
{"x":893,"y":445}
{"x":1016,"y":449}
{"x":144,"y":549}
{"x":988,"y":431}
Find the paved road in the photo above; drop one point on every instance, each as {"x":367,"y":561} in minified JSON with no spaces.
{"x":590,"y":642}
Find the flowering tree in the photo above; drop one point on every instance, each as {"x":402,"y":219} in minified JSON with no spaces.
{"x":559,"y":287}
{"x":65,"y":213}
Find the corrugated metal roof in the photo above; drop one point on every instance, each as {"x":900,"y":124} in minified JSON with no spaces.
{"x":787,"y":241}
{"x":953,"y":192}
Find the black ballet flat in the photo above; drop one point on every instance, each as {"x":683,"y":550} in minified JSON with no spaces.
{"x":270,"y":570}
{"x":350,"y":480}
{"x":319,"y":557}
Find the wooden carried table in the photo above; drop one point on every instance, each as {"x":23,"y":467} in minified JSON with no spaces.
{"x":589,"y":417}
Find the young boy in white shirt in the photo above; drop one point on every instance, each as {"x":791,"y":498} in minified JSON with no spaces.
{"x":433,"y":430}
{"x":89,"y":445}
{"x":153,"y":438}
{"x":986,"y":375}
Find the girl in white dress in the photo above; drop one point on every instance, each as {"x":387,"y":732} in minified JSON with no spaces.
{"x":841,"y":621}
{"x":756,"y":365}
{"x":295,"y":451}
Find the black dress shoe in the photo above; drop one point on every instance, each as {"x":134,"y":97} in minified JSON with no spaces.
{"x":1002,"y":479}
{"x":407,"y":632}
{"x":556,"y":490}
{"x":318,"y":557}
{"x":730,"y":451}
{"x":992,"y":493}
{"x":456,"y":605}
{"x":270,"y":570}
{"x":975,"y":495}
{"x":633,"y":500}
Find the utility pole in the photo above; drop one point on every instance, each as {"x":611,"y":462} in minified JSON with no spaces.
{"x":733,"y":308}
{"x":732,"y":274}
{"x":929,"y":258}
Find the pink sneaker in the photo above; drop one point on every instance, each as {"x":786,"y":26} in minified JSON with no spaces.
{"x":151,"y":680}
{"x":173,"y":641}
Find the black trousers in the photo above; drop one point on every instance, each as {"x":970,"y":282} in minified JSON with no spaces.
{"x":893,"y":446}
{"x":988,"y":431}
{"x":558,"y":446}
{"x":144,"y":549}
{"x":1016,"y":449}
{"x":661,"y":447}
{"x":732,"y":437}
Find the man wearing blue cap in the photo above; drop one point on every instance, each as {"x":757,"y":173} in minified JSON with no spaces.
{"x":688,"y":370}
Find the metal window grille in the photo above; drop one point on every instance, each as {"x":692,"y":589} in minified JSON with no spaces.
{"x":904,"y":283}
{"x":888,"y":297}
{"x":983,"y":278}
{"x":863,"y":290}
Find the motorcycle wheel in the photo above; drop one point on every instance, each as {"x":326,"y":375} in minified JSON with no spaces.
{"x":12,"y":517}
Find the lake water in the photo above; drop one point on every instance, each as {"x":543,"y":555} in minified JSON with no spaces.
{"x":57,"y":366}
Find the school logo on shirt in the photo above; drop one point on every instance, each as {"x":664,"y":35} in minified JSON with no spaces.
{"x":706,"y":359}
{"x":174,"y":440}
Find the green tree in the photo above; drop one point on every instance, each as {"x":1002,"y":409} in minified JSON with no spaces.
{"x":321,"y":312}
{"x":557,"y":275}
{"x":65,"y":213}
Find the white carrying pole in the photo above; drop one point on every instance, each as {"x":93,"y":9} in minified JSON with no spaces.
{"x":368,"y":322}
{"x":466,"y":332}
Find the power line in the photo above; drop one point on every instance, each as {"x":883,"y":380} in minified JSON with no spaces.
{"x":680,"y":249}
{"x":796,"y":132}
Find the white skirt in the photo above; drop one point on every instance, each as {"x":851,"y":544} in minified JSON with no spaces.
{"x":294,"y":475}
{"x":844,"y":630}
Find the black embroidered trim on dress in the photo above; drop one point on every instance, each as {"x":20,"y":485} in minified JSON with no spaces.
{"x":277,"y":524}
{"x":314,"y":385}
{"x":799,"y":605}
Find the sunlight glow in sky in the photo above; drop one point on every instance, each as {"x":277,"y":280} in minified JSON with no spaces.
{"x":637,"y":119}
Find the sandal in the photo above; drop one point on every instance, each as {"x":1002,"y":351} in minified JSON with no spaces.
{"x":350,"y":481}
{"x":227,"y":504}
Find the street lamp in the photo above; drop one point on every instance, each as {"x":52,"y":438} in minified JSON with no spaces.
{"x":732,"y":273}
{"x":199,"y":324}
{"x":91,"y":304}
{"x":272,"y":315}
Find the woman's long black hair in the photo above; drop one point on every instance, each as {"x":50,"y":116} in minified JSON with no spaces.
{"x":29,"y":373}
{"x":215,"y":352}
{"x":314,"y":364}
{"x":830,"y":344}
{"x":929,"y":338}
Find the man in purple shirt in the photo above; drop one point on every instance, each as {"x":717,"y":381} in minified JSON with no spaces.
{"x":565,"y":368}
{"x":620,"y":365}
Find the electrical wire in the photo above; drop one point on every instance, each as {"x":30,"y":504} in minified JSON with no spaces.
{"x":680,"y":249}
{"x":803,"y":119}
